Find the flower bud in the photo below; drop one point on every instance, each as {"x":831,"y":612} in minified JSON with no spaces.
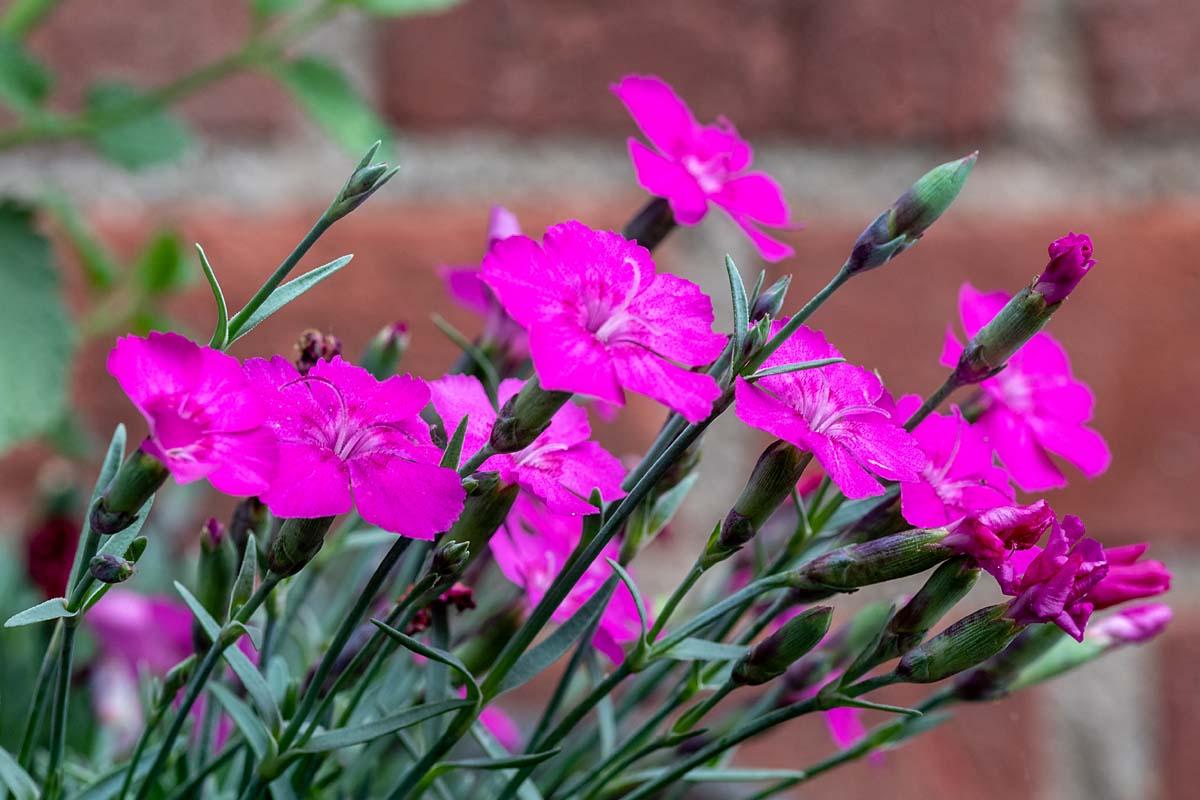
{"x":313,"y":346}
{"x":525,"y":416}
{"x":385,"y":350}
{"x":994,"y":678}
{"x":771,"y":657}
{"x":249,"y":517}
{"x":877,"y":561}
{"x":1070,"y":259}
{"x":215,"y":574}
{"x":903,"y":224}
{"x":770,"y":300}
{"x":296,"y":543}
{"x":139,"y":477}
{"x":488,"y":502}
{"x":366,"y":179}
{"x":448,"y":561}
{"x":774,"y":476}
{"x":948,"y":584}
{"x":108,"y":568}
{"x":970,"y":641}
{"x":837,"y":650}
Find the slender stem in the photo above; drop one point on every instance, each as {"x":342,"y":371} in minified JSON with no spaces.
{"x":564,"y":683}
{"x":476,"y":461}
{"x":797,"y":319}
{"x":41,"y":691}
{"x":202,"y":773}
{"x":675,"y":599}
{"x":622,"y":757}
{"x":297,"y":592}
{"x":196,"y":685}
{"x":53,"y":784}
{"x":932,"y":402}
{"x":140,"y":747}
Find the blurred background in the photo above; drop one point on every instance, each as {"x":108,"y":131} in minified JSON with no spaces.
{"x":1086,"y":113}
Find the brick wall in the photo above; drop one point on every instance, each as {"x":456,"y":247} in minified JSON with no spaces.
{"x":1087,"y":113}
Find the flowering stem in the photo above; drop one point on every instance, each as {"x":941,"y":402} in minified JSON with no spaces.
{"x":797,"y":319}
{"x":41,"y":694}
{"x":196,"y":685}
{"x":148,"y":730}
{"x":675,"y":599}
{"x":932,"y":402}
{"x":476,"y":461}
{"x":52,"y":786}
{"x":652,"y":224}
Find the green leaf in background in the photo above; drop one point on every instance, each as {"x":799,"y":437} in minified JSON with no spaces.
{"x":148,"y":138}
{"x":266,"y":8}
{"x":251,"y":726}
{"x":16,"y":779}
{"x":24,"y":82}
{"x":99,"y":264}
{"x":161,"y":267}
{"x":323,"y":91}
{"x":404,"y":8}
{"x":34,"y":323}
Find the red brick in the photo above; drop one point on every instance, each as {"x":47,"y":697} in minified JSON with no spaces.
{"x":150,"y":42}
{"x":1179,"y":701}
{"x":1143,"y":60}
{"x":919,"y":69}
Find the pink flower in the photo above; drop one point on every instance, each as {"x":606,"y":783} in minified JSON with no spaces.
{"x":1132,"y":625}
{"x":1128,"y":578}
{"x":697,"y":164}
{"x":560,"y":467}
{"x":845,"y":726}
{"x":1035,"y":406}
{"x":205,"y":419}
{"x":959,"y":477}
{"x":531,"y":549}
{"x":990,"y":536}
{"x":840,"y":413}
{"x":601,"y":320}
{"x":140,"y":631}
{"x":466,"y":288}
{"x":347,"y":440}
{"x":1052,"y":585}
{"x":1070,"y":259}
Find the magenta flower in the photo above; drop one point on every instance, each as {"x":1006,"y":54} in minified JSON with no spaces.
{"x":1034,"y":407}
{"x":1070,"y":259}
{"x":206,"y":420}
{"x":531,"y":549}
{"x":140,"y":631}
{"x":840,"y":413}
{"x":959,"y":477}
{"x":1132,"y":625}
{"x":1052,"y":585}
{"x":560,"y":467}
{"x":601,"y":320}
{"x":466,"y":288}
{"x":347,"y":440}
{"x":1129,"y":578}
{"x":991,"y":536}
{"x":698,"y":164}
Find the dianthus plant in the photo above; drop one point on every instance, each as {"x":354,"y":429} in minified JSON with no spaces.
{"x":406,"y":551}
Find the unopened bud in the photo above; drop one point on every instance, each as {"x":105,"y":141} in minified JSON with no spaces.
{"x":948,"y":584}
{"x":366,"y":179}
{"x":525,"y":416}
{"x":994,"y":678}
{"x":903,"y":224}
{"x":772,"y":481}
{"x":771,"y":657}
{"x":314,"y":346}
{"x":108,"y":568}
{"x":139,"y":477}
{"x":1070,"y":259}
{"x":1014,"y":325}
{"x":878,"y":561}
{"x":968,"y":642}
{"x":383,"y":354}
{"x":250,"y":517}
{"x":770,"y":301}
{"x":176,"y":678}
{"x":214,"y":577}
{"x":488,"y":502}
{"x":295,"y":544}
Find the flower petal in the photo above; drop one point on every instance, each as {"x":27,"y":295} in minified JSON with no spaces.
{"x":417,"y":500}
{"x":690,"y":393}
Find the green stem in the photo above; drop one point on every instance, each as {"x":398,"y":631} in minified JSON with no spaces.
{"x":53,"y":785}
{"x":932,"y":402}
{"x":564,"y":683}
{"x":41,"y":692}
{"x":476,"y":461}
{"x":685,"y":586}
{"x":140,"y":747}
{"x":201,"y":774}
{"x":628,"y":753}
{"x":797,"y":319}
{"x":196,"y":684}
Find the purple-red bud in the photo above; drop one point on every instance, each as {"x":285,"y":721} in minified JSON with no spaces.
{"x":314,"y":346}
{"x":1070,"y":259}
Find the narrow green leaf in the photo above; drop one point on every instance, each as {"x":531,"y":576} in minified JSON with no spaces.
{"x":784,"y":369}
{"x":487,"y":743}
{"x":24,"y":82}
{"x":533,"y":661}
{"x":692,"y":649}
{"x":108,"y":785}
{"x":134,"y":139}
{"x":453,"y":451}
{"x":221,"y":331}
{"x":16,"y":779}
{"x":54,"y":608}
{"x":440,"y":656}
{"x":160,"y":267}
{"x":243,"y":584}
{"x":108,"y":469}
{"x":638,"y":603}
{"x":360,"y":734}
{"x":286,"y":293}
{"x":741,"y":309}
{"x":857,"y":702}
{"x":257,"y":735}
{"x":210,"y":626}
{"x":852,"y":512}
{"x":524,"y":760}
{"x":403,"y":8}
{"x":734,"y":775}
{"x":322,"y":90}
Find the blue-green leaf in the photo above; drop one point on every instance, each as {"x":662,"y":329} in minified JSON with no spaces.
{"x":16,"y":779}
{"x":638,"y":603}
{"x":741,"y":310}
{"x":221,"y":330}
{"x":161,"y":267}
{"x":784,"y":369}
{"x":134,"y":139}
{"x":54,"y":608}
{"x":360,"y":734}
{"x":692,"y":649}
{"x":433,"y":653}
{"x":524,"y":760}
{"x":257,"y":735}
{"x":453,"y":452}
{"x":24,"y":81}
{"x":322,"y":90}
{"x":286,"y":293}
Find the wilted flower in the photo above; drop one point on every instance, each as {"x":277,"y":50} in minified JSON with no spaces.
{"x":206,"y":421}
{"x":1034,"y":406}
{"x":601,"y":320}
{"x":347,"y":440}
{"x":840,"y":413}
{"x":698,"y":164}
{"x":560,"y":467}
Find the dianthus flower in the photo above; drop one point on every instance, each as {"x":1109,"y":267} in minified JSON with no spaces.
{"x":1132,"y":625}
{"x":1070,"y":259}
{"x":601,"y":319}
{"x":840,"y":413}
{"x":1034,"y":406}
{"x":697,"y":164}
{"x":347,"y":440}
{"x":990,"y":536}
{"x":1129,"y":578}
{"x":560,"y":467}
{"x":206,"y":420}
